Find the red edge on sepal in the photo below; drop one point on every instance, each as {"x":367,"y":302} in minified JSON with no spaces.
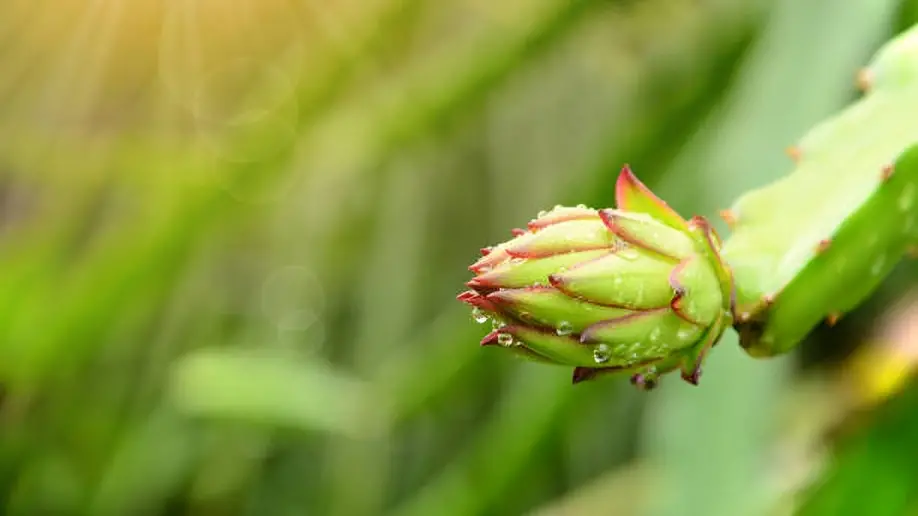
{"x":551,"y":219}
{"x":506,"y":297}
{"x":679,"y":292}
{"x":586,"y":336}
{"x":478,"y":300}
{"x":491,"y":338}
{"x":630,"y":192}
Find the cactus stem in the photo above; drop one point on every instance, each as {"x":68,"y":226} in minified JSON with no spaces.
{"x":823,"y":245}
{"x":864,"y":80}
{"x":794,"y":152}
{"x":833,"y":318}
{"x":728,"y":216}
{"x":886,"y":173}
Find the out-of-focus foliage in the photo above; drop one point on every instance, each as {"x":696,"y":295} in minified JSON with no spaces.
{"x":231,"y":235}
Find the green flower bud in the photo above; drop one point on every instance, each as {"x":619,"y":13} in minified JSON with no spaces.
{"x":635,"y":289}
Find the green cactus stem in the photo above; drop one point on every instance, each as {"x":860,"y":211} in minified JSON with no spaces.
{"x":814,"y":244}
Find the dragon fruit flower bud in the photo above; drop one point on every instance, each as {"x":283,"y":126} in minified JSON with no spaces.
{"x":634,"y":289}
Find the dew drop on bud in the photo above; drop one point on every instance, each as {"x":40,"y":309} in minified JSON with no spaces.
{"x":601,"y":354}
{"x":505,"y":339}
{"x":497,"y":324}
{"x":878,"y":265}
{"x":479,"y":316}
{"x":564,"y":328}
{"x":907,"y":198}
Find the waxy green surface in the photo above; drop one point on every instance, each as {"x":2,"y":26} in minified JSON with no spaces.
{"x":814,"y":244}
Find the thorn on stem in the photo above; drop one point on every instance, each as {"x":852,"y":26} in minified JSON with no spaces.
{"x":886,"y":173}
{"x":823,"y":245}
{"x":864,"y":80}
{"x":833,"y":318}
{"x":729,"y":216}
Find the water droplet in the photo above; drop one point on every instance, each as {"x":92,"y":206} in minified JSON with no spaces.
{"x":497,"y":324}
{"x":582,"y":206}
{"x":505,"y":339}
{"x":557,"y":207}
{"x":907,"y":197}
{"x":601,"y":354}
{"x":877,"y":266}
{"x":654,"y":335}
{"x":479,"y":316}
{"x":617,"y":281}
{"x":564,"y":328}
{"x":683,"y":334}
{"x":629,"y":253}
{"x":541,"y":214}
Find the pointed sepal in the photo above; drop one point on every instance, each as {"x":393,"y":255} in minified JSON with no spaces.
{"x":644,"y":232}
{"x":643,"y":335}
{"x":550,"y":308}
{"x":632,"y":195}
{"x":626,"y":279}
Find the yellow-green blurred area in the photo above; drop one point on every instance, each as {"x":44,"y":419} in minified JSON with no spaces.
{"x":232,"y":233}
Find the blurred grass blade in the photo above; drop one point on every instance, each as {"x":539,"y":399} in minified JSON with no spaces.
{"x":272,"y":389}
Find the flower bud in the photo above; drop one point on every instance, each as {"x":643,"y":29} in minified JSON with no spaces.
{"x":635,"y":289}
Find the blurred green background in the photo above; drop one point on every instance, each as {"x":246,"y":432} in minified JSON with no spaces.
{"x":232,"y":233}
